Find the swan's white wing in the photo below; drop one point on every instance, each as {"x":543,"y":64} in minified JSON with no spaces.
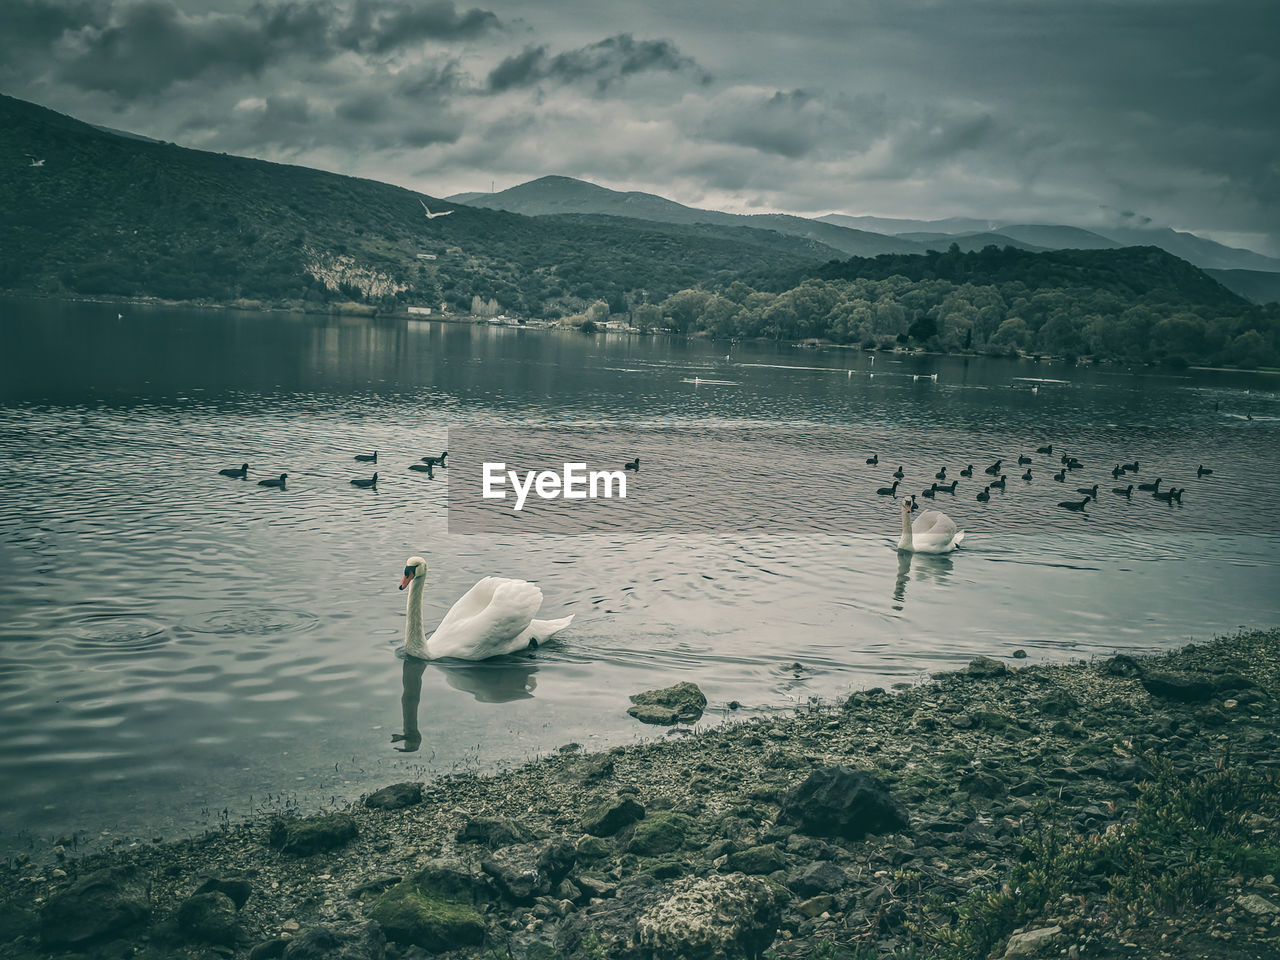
{"x":470,"y":603}
{"x":487,"y":620}
{"x":933,"y":529}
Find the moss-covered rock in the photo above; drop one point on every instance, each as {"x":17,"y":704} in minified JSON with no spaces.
{"x":680,"y":703}
{"x":756,"y":860}
{"x":308,"y":835}
{"x":413,"y":915}
{"x":105,"y":904}
{"x":659,"y":833}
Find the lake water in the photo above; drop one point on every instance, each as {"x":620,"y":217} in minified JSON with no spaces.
{"x":176,"y":646}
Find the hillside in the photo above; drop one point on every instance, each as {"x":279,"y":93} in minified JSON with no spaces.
{"x":557,"y":195}
{"x":115,"y":215}
{"x":1206,"y":254}
{"x":1256,"y":286}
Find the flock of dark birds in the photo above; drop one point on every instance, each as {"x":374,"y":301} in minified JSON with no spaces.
{"x":1068,"y":464}
{"x":427,"y":465}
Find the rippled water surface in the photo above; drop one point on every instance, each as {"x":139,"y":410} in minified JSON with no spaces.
{"x":175,"y":644}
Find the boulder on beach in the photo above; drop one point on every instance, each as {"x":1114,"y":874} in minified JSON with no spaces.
{"x":731,"y":917}
{"x":843,"y":802}
{"x":681,"y":703}
{"x":208,"y":918}
{"x":395,"y":797}
{"x":436,"y":910}
{"x":607,"y":818}
{"x":105,"y":904}
{"x":307,"y":835}
{"x":1182,"y":687}
{"x":986,"y":667}
{"x":323,"y":942}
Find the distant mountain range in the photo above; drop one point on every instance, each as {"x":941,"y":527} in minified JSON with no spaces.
{"x":872,"y":236}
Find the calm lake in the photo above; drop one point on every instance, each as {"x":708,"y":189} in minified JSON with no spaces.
{"x":177,"y":646}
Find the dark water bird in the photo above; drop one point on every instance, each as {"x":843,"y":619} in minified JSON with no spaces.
{"x":999,"y":483}
{"x":1061,"y":475}
{"x":632,"y":465}
{"x":1091,"y":491}
{"x":1116,"y":472}
{"x":1076,"y":505}
{"x":1023,"y":459}
{"x":889,"y":491}
{"x":367,"y":457}
{"x":1153,"y":487}
{"x":948,"y":487}
{"x":941,"y":474}
{"x":1048,"y":449}
{"x":1074,"y":464}
{"x":898,"y":474}
{"x":366,"y":484}
{"x":1126,"y":492}
{"x":874,"y":459}
{"x":994,"y":468}
{"x":1168,"y":496}
{"x":1027,"y":475}
{"x":1131,"y":467}
{"x":931,"y":492}
{"x":1201,"y":471}
{"x":242,"y":471}
{"x":423,"y":468}
{"x":436,"y":461}
{"x":274,"y":483}
{"x":967,"y":471}
{"x":985,"y":495}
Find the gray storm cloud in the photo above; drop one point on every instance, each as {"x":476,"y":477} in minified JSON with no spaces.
{"x":1057,"y":111}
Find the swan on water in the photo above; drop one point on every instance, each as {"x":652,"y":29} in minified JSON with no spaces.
{"x":493,"y":618}
{"x":932,"y":532}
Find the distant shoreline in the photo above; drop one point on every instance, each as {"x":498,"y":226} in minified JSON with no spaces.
{"x":352,"y":309}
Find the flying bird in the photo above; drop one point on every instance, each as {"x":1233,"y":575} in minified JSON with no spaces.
{"x":34,"y":161}
{"x":430,"y":215}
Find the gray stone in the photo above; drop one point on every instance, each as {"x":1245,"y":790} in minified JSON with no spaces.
{"x":1033,"y":943}
{"x":208,"y":918}
{"x":395,"y":797}
{"x":493,"y":832}
{"x":821,"y":877}
{"x":1182,"y":687}
{"x":681,"y":703}
{"x":842,"y":802}
{"x":308,"y":835}
{"x":606,"y":819}
{"x":986,"y":667}
{"x":1121,"y":665}
{"x":731,"y":917}
{"x":236,"y":888}
{"x":323,"y":942}
{"x":526,"y":871}
{"x":269,"y":949}
{"x":105,"y":904}
{"x":1258,"y":906}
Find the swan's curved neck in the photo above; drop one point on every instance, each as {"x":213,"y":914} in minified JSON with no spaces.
{"x":906,"y":531}
{"x":415,"y":641}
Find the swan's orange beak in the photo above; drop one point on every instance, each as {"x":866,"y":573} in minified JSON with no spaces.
{"x":405,"y":582}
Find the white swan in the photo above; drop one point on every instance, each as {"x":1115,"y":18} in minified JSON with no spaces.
{"x":933,"y":532}
{"x":493,"y":618}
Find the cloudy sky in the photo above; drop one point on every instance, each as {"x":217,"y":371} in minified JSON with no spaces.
{"x":1088,"y":112}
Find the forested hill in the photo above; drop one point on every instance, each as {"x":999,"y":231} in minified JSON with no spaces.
{"x":108,"y":214}
{"x":1128,"y":273}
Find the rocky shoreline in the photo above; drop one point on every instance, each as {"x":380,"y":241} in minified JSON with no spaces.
{"x":1122,"y":808}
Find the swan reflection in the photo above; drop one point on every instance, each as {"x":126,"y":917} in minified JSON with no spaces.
{"x":500,"y":680}
{"x":929,"y":566}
